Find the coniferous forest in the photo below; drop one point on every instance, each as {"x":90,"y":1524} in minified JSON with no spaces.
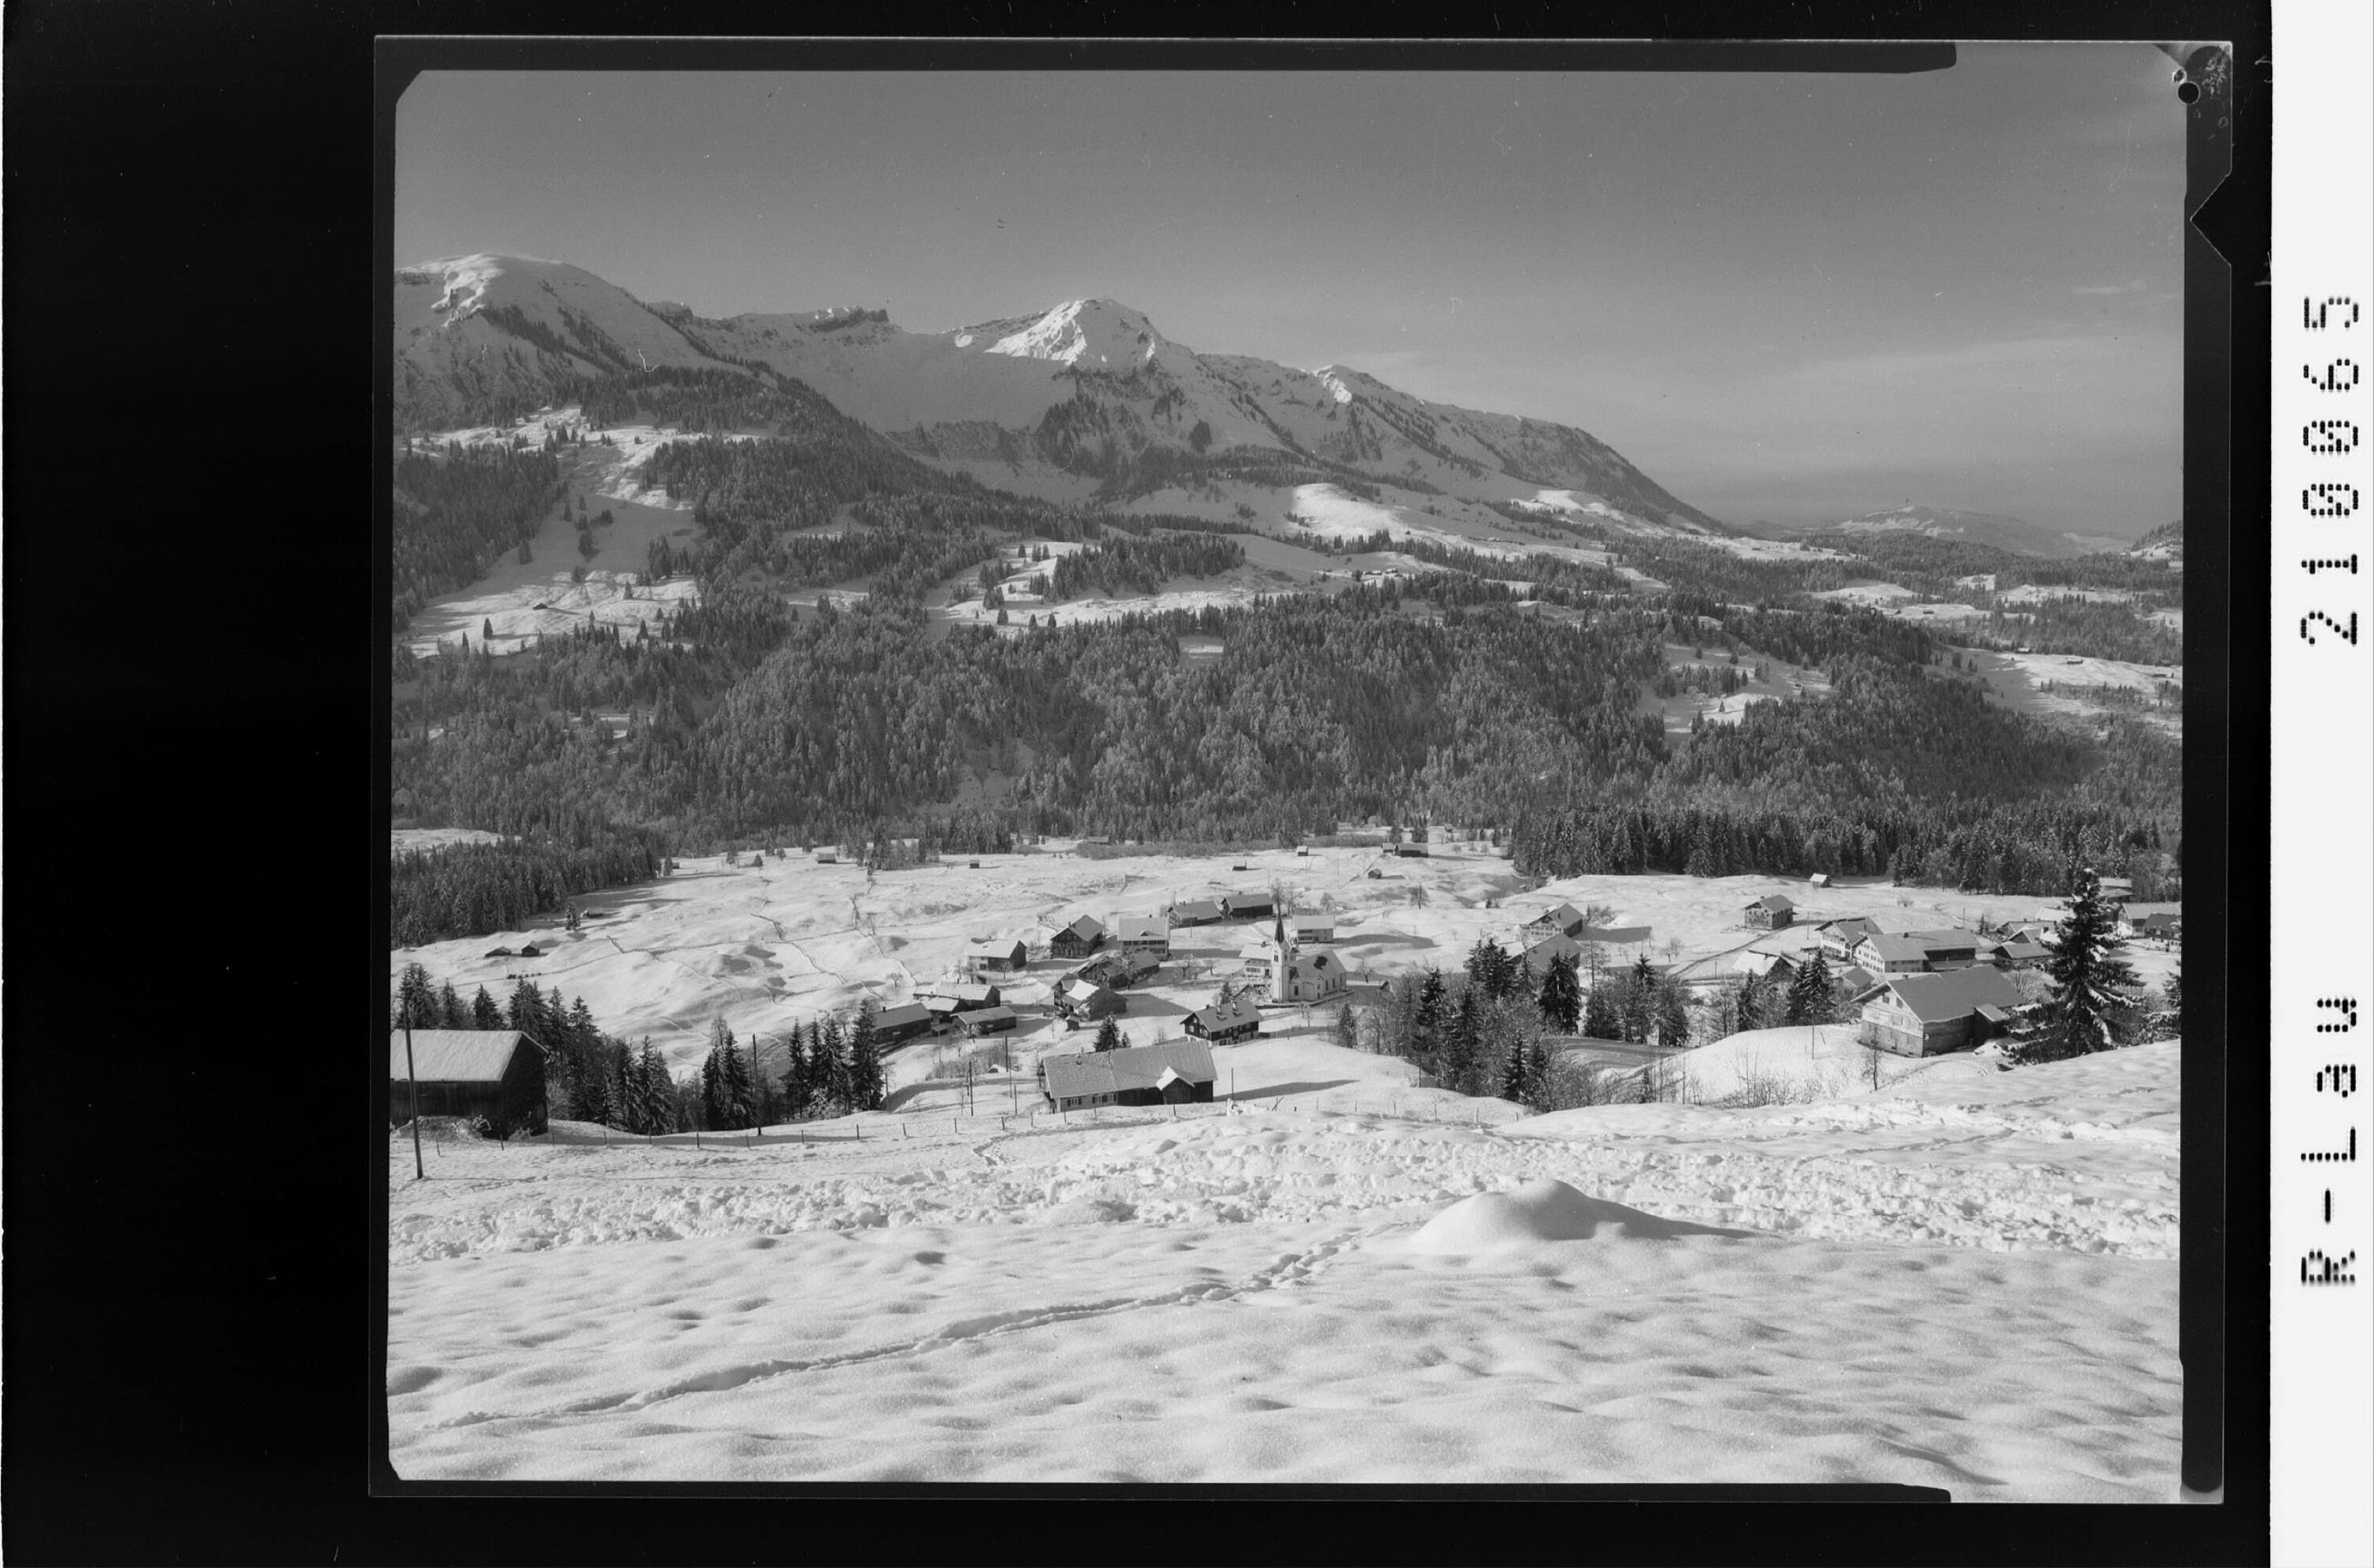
{"x":1449,"y":695}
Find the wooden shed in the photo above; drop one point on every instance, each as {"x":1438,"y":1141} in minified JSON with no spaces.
{"x":497,"y":1074}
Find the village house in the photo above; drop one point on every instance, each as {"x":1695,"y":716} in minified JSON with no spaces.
{"x":2013,"y":952}
{"x":1079,"y":939}
{"x":1839,"y":938}
{"x":957,"y":1000}
{"x":1250,"y":905}
{"x":1564,"y":920}
{"x":1764,"y":966}
{"x":1197,"y":912}
{"x":1884,"y":954}
{"x":989,"y":1020}
{"x":1927,"y":1015}
{"x":894,"y":1025}
{"x":2161,"y":923}
{"x":1145,"y":934}
{"x":1081,"y":999}
{"x":1771,"y":912}
{"x":1314,"y":928}
{"x":1948,"y":948}
{"x":1236,"y":1019}
{"x":1174,"y":1072}
{"x":992,"y":954}
{"x":1118,"y":969}
{"x":1548,"y":951}
{"x":494,"y":1073}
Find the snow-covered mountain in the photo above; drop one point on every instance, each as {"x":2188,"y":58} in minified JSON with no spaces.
{"x":1089,"y":388}
{"x":2012,"y":534}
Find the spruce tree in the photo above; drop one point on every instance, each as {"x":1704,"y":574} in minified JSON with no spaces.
{"x":1426,"y":1023}
{"x":1516,"y":1081}
{"x":734,"y":1087}
{"x":795,"y":1073}
{"x":1560,"y":1001}
{"x":416,"y":998}
{"x":1600,"y":1019}
{"x":1754,"y":1002}
{"x":864,"y":1067}
{"x":1673,"y":1018}
{"x":1811,"y":999}
{"x":1108,"y":1036}
{"x":1461,"y":1054}
{"x":451,"y":1014}
{"x":1639,"y":1000}
{"x":832,"y":1069}
{"x":2088,"y":1005}
{"x":1537,"y":1073}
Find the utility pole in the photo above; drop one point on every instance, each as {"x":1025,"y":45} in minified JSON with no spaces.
{"x":419,"y":1171}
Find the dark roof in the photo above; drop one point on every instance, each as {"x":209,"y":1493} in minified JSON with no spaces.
{"x":1085,"y":928}
{"x":456,"y":1055}
{"x":988,"y":1015}
{"x":1954,"y":940}
{"x":1849,"y":928}
{"x":1772,"y":901}
{"x":1940,"y":999}
{"x":1085,"y":1073}
{"x":1548,"y":951}
{"x":1198,"y":909}
{"x":1884,"y":946}
{"x":2020,"y":947}
{"x":1239,"y":901}
{"x":905,"y":1017}
{"x":1221,"y":1016}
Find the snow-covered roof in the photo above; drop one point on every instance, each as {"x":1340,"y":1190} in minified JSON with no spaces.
{"x":1085,"y":1073}
{"x":1940,"y":999}
{"x":1233,"y":1013}
{"x":455,"y":1056}
{"x":1142,"y":928}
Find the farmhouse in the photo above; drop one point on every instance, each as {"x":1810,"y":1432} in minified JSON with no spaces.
{"x":1763,"y":965}
{"x":1839,"y":937}
{"x":1118,"y":969}
{"x":1948,"y":949}
{"x":494,"y":1073}
{"x":2164,"y":921}
{"x":1174,"y":1072}
{"x":1926,"y":1014}
{"x":1771,"y":912}
{"x":990,"y":955}
{"x":2013,"y":952}
{"x":1549,"y":950}
{"x":1236,"y":1019}
{"x":1079,"y":939}
{"x":1250,"y":905}
{"x":1314,"y":928}
{"x":893,"y":1024}
{"x":958,"y":1000}
{"x":1564,"y":920}
{"x":1145,"y":934}
{"x":990,"y":1020}
{"x":1081,"y":997}
{"x":1197,"y":912}
{"x":1884,"y":954}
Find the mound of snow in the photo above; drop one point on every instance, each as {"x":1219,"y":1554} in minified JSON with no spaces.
{"x":1544,"y":1211}
{"x":1764,"y":1065}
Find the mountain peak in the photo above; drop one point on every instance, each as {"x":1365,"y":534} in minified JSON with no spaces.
{"x":1099,"y":334}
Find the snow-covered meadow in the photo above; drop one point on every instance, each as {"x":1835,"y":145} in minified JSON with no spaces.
{"x":1965,"y":1280}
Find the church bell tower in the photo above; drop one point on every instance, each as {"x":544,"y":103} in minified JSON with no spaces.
{"x":1281,"y":974}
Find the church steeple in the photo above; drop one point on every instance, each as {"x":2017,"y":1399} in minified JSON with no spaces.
{"x":1282,"y":965}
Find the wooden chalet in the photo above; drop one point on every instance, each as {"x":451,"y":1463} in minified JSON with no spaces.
{"x":1250,"y":905}
{"x":1564,"y":920}
{"x":1197,"y":912}
{"x":497,"y":1074}
{"x":1080,"y":998}
{"x":1079,"y":939}
{"x":530,"y":951}
{"x":1236,"y":1019}
{"x":1118,"y":969}
{"x":1771,"y":912}
{"x":990,"y":1020}
{"x":996,"y":955}
{"x":1548,"y":951}
{"x":894,"y":1025}
{"x":2013,"y":952}
{"x":1839,"y":938}
{"x":1928,"y":1014}
{"x":1174,"y":1072}
{"x":1143,"y":933}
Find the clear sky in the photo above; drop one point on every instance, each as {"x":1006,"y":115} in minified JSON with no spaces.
{"x":1788,"y":297}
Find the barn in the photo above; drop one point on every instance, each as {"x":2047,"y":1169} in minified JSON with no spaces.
{"x":1549,"y":950}
{"x":1236,"y":1019}
{"x":1250,"y":905}
{"x":1079,"y":939}
{"x":1081,"y":997}
{"x":1927,"y":1015}
{"x":1118,"y":969}
{"x":1197,"y":912}
{"x":990,"y":1020}
{"x":1771,"y":912}
{"x":1174,"y":1072}
{"x":494,"y":1073}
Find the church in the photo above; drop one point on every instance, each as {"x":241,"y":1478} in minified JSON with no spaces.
{"x":1293,"y":974}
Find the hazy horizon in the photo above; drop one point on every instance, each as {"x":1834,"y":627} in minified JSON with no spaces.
{"x":1792,"y":299}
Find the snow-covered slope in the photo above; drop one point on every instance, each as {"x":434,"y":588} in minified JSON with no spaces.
{"x":1968,"y":1282}
{"x":2012,"y":534}
{"x":1090,"y":387}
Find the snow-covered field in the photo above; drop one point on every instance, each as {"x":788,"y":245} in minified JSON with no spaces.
{"x":1965,"y":1279}
{"x":2070,"y":670}
{"x":788,"y":940}
{"x":547,"y":603}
